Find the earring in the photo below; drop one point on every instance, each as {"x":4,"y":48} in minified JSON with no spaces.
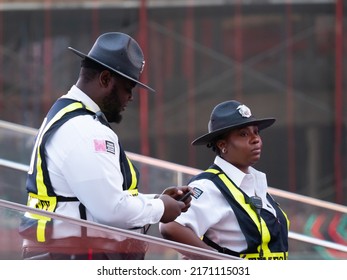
{"x":224,"y":150}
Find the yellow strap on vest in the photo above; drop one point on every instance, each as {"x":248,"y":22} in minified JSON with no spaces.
{"x":46,"y":203}
{"x":267,"y":256}
{"x":285,"y":215}
{"x":42,"y":200}
{"x":238,"y":195}
{"x":41,"y":188}
{"x":132,"y":189}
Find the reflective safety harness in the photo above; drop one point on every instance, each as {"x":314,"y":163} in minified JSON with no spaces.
{"x":267,"y":238}
{"x":41,"y":193}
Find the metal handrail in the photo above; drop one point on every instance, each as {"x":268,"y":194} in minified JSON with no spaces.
{"x":14,"y":165}
{"x":180,"y":169}
{"x":280,"y":193}
{"x":18,"y":128}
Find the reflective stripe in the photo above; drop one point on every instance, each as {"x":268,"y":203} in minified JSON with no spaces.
{"x":285,"y":215}
{"x":41,"y":192}
{"x":267,"y":256}
{"x":47,"y":203}
{"x":266,"y":236}
{"x":41,"y":187}
{"x":133,"y":187}
{"x":32,"y":160}
{"x":42,"y":200}
{"x":41,"y":229}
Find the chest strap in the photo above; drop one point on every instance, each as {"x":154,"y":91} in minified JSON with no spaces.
{"x":252,"y":223}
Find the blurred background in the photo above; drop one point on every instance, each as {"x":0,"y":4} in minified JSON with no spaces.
{"x":283,"y":59}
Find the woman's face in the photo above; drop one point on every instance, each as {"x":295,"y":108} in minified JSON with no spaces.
{"x":242,"y":147}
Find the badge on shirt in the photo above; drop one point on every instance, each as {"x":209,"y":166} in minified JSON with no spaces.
{"x":104,"y":146}
{"x":197,"y":192}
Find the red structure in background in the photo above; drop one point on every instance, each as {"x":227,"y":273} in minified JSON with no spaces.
{"x":47,"y":56}
{"x":144,"y":128}
{"x":338,"y":100}
{"x":238,"y":51}
{"x":159,"y":88}
{"x":189,"y":73}
{"x":196,"y":45}
{"x":1,"y":60}
{"x":290,"y":102}
{"x":95,"y":20}
{"x":142,"y":37}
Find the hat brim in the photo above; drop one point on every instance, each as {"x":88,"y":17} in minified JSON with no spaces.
{"x":209,"y":137}
{"x":112,"y":69}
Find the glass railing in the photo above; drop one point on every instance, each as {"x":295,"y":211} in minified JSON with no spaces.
{"x":318,"y":228}
{"x":121,"y":244}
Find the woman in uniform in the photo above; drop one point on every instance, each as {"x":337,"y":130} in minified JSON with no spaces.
{"x":231,"y":210}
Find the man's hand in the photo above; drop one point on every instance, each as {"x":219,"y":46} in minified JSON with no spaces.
{"x":172,"y":208}
{"x":181,"y":194}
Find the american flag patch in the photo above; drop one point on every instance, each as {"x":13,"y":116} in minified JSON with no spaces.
{"x":104,"y":146}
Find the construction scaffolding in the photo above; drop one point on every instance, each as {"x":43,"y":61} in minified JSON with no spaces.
{"x":284,"y":59}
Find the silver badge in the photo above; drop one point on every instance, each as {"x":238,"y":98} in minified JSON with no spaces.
{"x":244,"y":111}
{"x":142,"y":66}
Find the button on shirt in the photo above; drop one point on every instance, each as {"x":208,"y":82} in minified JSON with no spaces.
{"x":212,"y":215}
{"x":79,"y":168}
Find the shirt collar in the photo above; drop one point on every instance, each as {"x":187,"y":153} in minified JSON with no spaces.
{"x":235,"y":174}
{"x":259,"y":188}
{"x":77,"y":94}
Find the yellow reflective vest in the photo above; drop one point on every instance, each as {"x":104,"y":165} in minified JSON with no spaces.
{"x":41,"y":193}
{"x":266,"y":235}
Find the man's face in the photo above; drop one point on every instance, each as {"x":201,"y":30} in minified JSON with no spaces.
{"x":117,"y":100}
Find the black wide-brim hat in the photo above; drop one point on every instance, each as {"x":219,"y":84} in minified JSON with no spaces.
{"x":120,"y":53}
{"x":229,"y":115}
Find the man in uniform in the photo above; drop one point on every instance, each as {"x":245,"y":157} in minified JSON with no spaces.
{"x":79,"y":168}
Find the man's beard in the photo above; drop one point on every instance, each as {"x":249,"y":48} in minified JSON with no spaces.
{"x":116,"y":118}
{"x":112,"y":107}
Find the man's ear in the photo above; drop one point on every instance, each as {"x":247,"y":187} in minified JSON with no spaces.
{"x":105,"y":78}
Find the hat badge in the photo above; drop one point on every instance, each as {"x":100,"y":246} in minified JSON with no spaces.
{"x":142,"y":66}
{"x":244,"y":111}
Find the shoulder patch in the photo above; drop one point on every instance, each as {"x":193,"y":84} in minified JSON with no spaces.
{"x":197,"y":192}
{"x":104,"y":146}
{"x":110,"y":147}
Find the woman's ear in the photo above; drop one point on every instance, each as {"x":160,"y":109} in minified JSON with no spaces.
{"x":220,"y":144}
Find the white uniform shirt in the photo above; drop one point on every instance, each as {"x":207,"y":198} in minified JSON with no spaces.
{"x":212,"y":214}
{"x":79,"y":168}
